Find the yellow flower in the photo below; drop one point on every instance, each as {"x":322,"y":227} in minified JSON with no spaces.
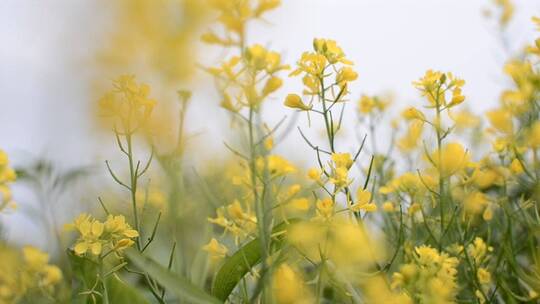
{"x":457,"y":98}
{"x":430,"y":276}
{"x":294,"y":101}
{"x":412,"y":137}
{"x":95,"y":235}
{"x":485,"y":178}
{"x":453,"y":158}
{"x":128,"y":102}
{"x":276,"y":165}
{"x":314,"y":174}
{"x":371,"y":207}
{"x":388,"y":207}
{"x":36,"y":265}
{"x":215,"y":249}
{"x":534,"y":135}
{"x":366,"y":104}
{"x":235,"y":211}
{"x":434,"y":84}
{"x":363,"y":196}
{"x":7,"y":176}
{"x":288,"y":286}
{"x":484,"y":277}
{"x":294,"y":189}
{"x":272,"y":85}
{"x":266,"y":5}
{"x":412,"y":113}
{"x":501,"y":120}
{"x":488,"y":213}
{"x":340,"y":177}
{"x":117,"y":226}
{"x":516,"y":166}
{"x":346,"y":74}
{"x":301,"y":204}
{"x":464,"y":120}
{"x":311,"y":64}
{"x":475,"y":202}
{"x":342,"y":160}
{"x":329,"y":49}
{"x":479,"y":250}
{"x":325,"y":208}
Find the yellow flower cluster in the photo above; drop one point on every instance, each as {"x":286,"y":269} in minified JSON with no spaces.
{"x":370,"y":104}
{"x":128,"y":103}
{"x":22,"y":274}
{"x":315,"y":66}
{"x":288,"y":286}
{"x":7,"y":176}
{"x":249,"y":78}
{"x":348,"y":246}
{"x":430,"y":276}
{"x":236,"y":219}
{"x":234,"y":15}
{"x":435,"y":86}
{"x":146,"y":35}
{"x":215,"y":249}
{"x":101,"y":238}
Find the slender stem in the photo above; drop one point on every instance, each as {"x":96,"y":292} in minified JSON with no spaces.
{"x":133,"y":186}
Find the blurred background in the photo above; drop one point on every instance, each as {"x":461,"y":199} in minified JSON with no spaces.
{"x":57,"y":57}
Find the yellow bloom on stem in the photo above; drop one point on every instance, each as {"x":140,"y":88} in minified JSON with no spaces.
{"x":484,"y":277}
{"x":412,"y":138}
{"x":413,"y":113}
{"x":7,"y":176}
{"x":276,"y":165}
{"x":301,"y":204}
{"x":314,"y":174}
{"x":325,"y":208}
{"x":272,"y":85}
{"x":457,"y":97}
{"x":266,"y":5}
{"x":340,"y":177}
{"x":128,"y":102}
{"x":294,"y":189}
{"x":215,"y":249}
{"x":501,"y":120}
{"x":533,"y":136}
{"x":288,"y":286}
{"x":479,"y":250}
{"x":453,"y":158}
{"x":343,"y":160}
{"x":294,"y":101}
{"x":516,"y":166}
{"x":366,"y":104}
{"x":475,"y":202}
{"x":94,"y":235}
{"x":485,"y":178}
{"x":388,"y":207}
{"x":346,"y":74}
{"x":329,"y":49}
{"x":363,"y":201}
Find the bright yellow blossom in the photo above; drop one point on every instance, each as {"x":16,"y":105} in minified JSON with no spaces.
{"x":215,"y":249}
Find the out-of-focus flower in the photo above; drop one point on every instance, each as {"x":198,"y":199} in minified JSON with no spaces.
{"x":7,"y":176}
{"x":215,"y":249}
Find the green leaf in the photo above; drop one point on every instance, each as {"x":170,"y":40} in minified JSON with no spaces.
{"x":237,"y":266}
{"x":84,"y":272}
{"x":171,"y":281}
{"x":120,"y":292}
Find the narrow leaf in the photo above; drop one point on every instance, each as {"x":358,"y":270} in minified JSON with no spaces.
{"x":171,"y":281}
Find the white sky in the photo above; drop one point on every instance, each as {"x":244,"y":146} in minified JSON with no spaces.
{"x":44,"y":44}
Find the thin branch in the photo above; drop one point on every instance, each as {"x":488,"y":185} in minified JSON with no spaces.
{"x":116,"y":179}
